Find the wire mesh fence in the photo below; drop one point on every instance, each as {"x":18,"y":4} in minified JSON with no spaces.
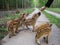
{"x":22,"y":4}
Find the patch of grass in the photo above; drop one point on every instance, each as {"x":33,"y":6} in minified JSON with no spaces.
{"x":2,"y":33}
{"x":13,"y":16}
{"x":54,"y":9}
{"x":9,"y":16}
{"x":53,"y":19}
{"x":28,"y":10}
{"x":3,"y":29}
{"x":1,"y":36}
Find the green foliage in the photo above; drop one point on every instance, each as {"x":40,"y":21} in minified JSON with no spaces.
{"x":2,"y":3}
{"x":13,"y":4}
{"x":29,"y":10}
{"x":3,"y":29}
{"x":56,"y":4}
{"x":1,"y":36}
{"x":54,"y":9}
{"x":41,"y":2}
{"x":2,"y":33}
{"x":32,"y":3}
{"x":53,"y":19}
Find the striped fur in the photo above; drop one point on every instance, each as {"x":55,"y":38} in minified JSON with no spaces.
{"x":12,"y":25}
{"x":42,"y":30}
{"x":31,"y":21}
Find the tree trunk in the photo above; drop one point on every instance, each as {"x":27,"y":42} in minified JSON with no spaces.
{"x":7,"y":4}
{"x":16,"y":4}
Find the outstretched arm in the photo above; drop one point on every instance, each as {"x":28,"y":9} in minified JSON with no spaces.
{"x":49,"y":2}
